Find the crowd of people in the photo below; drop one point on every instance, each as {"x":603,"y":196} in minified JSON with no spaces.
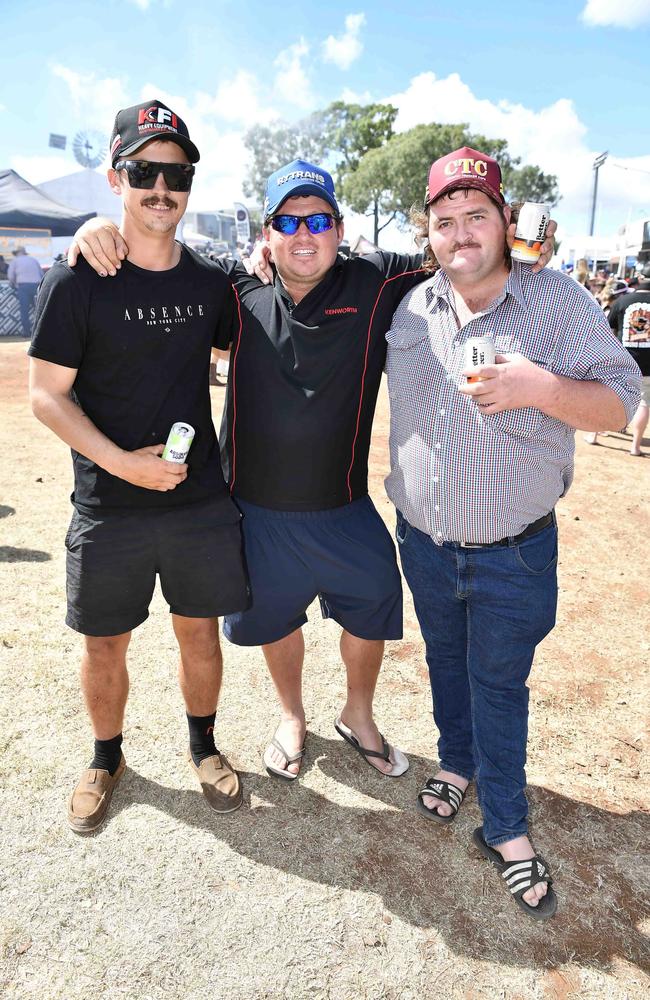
{"x":626,"y":304}
{"x":121,"y":351}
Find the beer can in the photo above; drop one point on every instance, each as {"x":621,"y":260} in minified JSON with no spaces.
{"x":478,"y":351}
{"x":531,"y":232}
{"x":178,"y":443}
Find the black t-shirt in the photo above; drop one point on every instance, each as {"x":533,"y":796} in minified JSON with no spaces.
{"x":629,"y":317}
{"x":141,"y":345}
{"x":304,"y":381}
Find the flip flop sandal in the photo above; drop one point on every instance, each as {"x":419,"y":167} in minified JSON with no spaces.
{"x":278,"y":772}
{"x":399,"y":763}
{"x":520,"y":876}
{"x":446,"y":792}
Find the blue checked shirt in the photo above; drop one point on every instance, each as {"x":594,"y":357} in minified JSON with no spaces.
{"x":457,"y":473}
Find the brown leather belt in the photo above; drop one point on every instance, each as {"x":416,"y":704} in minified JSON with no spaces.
{"x":532,"y":529}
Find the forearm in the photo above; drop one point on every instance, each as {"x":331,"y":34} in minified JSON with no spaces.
{"x":585,"y":405}
{"x":71,"y":425}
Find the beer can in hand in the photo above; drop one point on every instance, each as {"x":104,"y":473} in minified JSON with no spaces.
{"x":531,"y":232}
{"x":478,"y":351}
{"x":178,"y":443}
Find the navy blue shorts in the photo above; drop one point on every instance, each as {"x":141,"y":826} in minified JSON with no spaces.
{"x":344,"y":556}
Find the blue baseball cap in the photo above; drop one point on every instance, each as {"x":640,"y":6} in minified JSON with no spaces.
{"x":296,"y":178}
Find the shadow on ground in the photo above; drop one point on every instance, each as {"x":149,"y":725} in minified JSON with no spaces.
{"x":9,"y":554}
{"x":431,"y":876}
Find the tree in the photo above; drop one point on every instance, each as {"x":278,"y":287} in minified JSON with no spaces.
{"x":392,"y":179}
{"x":273,"y":145}
{"x":343,"y":132}
{"x":351,"y":130}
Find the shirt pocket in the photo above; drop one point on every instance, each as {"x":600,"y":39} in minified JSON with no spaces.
{"x":521,"y":423}
{"x":539,"y":347}
{"x":410,"y":364}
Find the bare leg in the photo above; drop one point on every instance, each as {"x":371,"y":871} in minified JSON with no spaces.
{"x":200,"y":667}
{"x":105,"y":682}
{"x":638,"y":424}
{"x":284,"y":659}
{"x":362,"y":658}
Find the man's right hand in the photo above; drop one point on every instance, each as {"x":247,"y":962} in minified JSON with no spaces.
{"x":144,"y":467}
{"x":259,"y":262}
{"x":101,"y":243}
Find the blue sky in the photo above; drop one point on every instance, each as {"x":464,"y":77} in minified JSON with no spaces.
{"x":561,"y":80}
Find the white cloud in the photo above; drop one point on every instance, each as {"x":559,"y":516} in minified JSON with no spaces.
{"x":94,"y":99}
{"x":355,"y":97}
{"x":554,"y":138}
{"x":623,"y":14}
{"x":344,"y":49}
{"x":238,"y":100}
{"x":291,"y":82}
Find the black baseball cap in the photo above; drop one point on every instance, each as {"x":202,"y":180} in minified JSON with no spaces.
{"x":143,"y":122}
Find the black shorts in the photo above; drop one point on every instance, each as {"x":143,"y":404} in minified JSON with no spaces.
{"x":112,"y":561}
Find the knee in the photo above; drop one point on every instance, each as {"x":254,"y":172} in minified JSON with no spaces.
{"x":197,"y":637}
{"x":106,"y":651}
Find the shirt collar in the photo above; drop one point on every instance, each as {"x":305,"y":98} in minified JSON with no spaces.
{"x":439,"y":287}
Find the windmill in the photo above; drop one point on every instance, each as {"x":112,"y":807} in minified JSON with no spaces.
{"x":89,"y":148}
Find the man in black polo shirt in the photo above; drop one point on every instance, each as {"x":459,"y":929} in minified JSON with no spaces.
{"x":304,"y":376}
{"x":112,"y":368}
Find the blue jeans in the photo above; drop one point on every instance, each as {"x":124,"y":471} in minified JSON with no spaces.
{"x":26,"y":293}
{"x":482,"y":612}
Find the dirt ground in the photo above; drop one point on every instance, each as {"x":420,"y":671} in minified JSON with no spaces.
{"x":333,"y":887}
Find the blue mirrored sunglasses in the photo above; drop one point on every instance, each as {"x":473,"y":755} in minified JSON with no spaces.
{"x":319,"y":222}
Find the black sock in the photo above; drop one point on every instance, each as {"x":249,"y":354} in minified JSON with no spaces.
{"x":201,"y":737}
{"x":108,"y":754}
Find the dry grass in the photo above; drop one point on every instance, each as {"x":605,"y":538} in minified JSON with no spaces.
{"x":334,"y":887}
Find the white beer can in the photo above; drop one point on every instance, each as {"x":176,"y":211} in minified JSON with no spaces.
{"x":531,"y":232}
{"x":178,"y":443}
{"x":478,"y":351}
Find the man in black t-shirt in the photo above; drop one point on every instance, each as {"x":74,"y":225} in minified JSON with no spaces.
{"x":112,"y":368}
{"x":629,"y":317}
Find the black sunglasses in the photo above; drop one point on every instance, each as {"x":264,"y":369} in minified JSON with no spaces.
{"x":319,"y":222}
{"x":144,"y":174}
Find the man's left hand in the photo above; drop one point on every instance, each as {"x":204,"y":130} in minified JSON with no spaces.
{"x":509,"y":384}
{"x":548,"y":246}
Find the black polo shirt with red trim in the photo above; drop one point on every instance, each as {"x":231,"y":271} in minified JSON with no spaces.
{"x":304,"y":380}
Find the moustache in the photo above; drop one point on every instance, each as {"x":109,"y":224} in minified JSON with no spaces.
{"x":166,"y":202}
{"x":463,"y":246}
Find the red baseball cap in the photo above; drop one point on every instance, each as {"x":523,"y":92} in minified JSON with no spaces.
{"x":465,"y":168}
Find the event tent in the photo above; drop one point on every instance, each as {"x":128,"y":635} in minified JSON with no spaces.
{"x":23,"y":206}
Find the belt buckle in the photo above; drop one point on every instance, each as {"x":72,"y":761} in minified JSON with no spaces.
{"x":471,"y":545}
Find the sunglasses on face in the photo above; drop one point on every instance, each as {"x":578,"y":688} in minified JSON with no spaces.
{"x":319,"y":222}
{"x":144,"y":174}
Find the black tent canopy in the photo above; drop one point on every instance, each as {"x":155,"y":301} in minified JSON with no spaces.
{"x":23,"y":206}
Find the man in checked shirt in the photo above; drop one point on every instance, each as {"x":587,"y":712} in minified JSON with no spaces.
{"x":476,"y":470}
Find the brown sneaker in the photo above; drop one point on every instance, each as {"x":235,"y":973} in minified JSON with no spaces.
{"x":220,"y":783}
{"x":91,"y":798}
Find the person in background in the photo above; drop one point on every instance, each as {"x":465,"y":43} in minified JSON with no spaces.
{"x":25,"y":275}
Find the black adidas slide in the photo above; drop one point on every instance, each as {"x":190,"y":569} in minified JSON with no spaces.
{"x":520,"y":876}
{"x":446,"y":792}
